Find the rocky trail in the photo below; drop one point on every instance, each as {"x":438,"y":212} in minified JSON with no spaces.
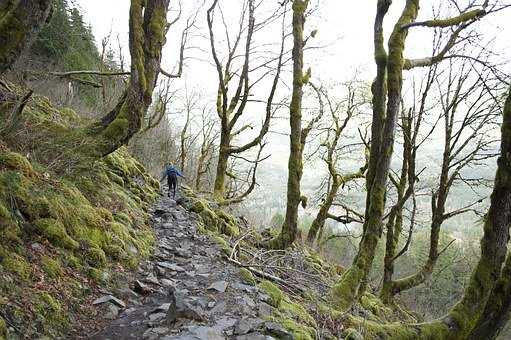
{"x":186,"y":290}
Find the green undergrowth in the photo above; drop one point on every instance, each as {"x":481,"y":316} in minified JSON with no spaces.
{"x":214,"y":218}
{"x":293,"y":316}
{"x":62,"y":231}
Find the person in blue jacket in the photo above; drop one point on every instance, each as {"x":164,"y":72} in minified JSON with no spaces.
{"x":171,"y":173}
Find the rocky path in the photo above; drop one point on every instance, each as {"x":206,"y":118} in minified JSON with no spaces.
{"x":186,"y":291}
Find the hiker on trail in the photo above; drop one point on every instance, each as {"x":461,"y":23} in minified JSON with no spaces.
{"x":171,"y":173}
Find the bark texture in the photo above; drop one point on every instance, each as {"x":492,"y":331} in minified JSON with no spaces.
{"x":147,"y":29}
{"x":20,"y":21}
{"x":289,"y":228}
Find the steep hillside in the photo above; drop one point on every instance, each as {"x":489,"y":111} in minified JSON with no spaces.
{"x":65,"y":220}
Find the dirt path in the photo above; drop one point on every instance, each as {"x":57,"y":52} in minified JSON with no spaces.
{"x":186,"y":290}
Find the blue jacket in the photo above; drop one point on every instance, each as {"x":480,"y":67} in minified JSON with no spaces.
{"x":170,"y":170}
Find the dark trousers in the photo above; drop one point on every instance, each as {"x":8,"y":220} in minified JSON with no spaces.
{"x":172,"y":182}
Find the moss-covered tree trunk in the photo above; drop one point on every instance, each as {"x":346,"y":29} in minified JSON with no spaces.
{"x":347,"y":289}
{"x":290,"y":228}
{"x":321,"y":217}
{"x":147,"y":29}
{"x":221,"y":167}
{"x":20,"y":21}
{"x":497,"y":311}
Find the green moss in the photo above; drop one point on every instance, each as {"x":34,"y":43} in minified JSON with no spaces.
{"x":15,"y":161}
{"x":116,"y":130}
{"x":3,"y":329}
{"x":105,"y":214}
{"x":247,"y":276}
{"x":51,"y":267}
{"x":9,"y":229}
{"x":224,"y":245}
{"x":376,"y":307}
{"x":95,"y":257}
{"x":352,"y":334}
{"x":299,"y":331}
{"x":16,"y":264}
{"x":296,"y":311}
{"x":52,"y":318}
{"x":55,"y":232}
{"x":122,"y":218}
{"x":272,"y":291}
{"x":343,"y":293}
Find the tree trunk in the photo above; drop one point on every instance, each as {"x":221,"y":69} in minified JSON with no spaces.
{"x":20,"y":21}
{"x":147,"y":29}
{"x":319,"y":222}
{"x":221,"y":167}
{"x":484,"y":308}
{"x":289,"y":228}
{"x":496,"y":313}
{"x":346,"y":291}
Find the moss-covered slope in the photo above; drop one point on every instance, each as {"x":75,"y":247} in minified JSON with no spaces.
{"x":62,"y":228}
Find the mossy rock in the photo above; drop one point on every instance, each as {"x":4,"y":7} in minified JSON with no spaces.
{"x":296,"y":311}
{"x":298,"y":330}
{"x":52,"y":267}
{"x":276,"y":295}
{"x":95,"y":257}
{"x":224,"y":245}
{"x":15,"y":264}
{"x":247,"y":276}
{"x":55,"y":232}
{"x":352,"y":334}
{"x":53,"y":319}
{"x":15,"y":161}
{"x":374,"y":305}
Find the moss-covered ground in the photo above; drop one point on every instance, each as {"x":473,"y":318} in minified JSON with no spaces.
{"x":66,"y":219}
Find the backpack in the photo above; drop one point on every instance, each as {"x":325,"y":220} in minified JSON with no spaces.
{"x":171,"y":171}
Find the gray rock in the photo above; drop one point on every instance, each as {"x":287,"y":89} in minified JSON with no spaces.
{"x":141,"y":288}
{"x":219,"y":286}
{"x":247,"y":300}
{"x":278,"y":331}
{"x":170,"y":266}
{"x":111,"y":299}
{"x":225,"y":323}
{"x":243,"y":287}
{"x":154,"y":333}
{"x":254,"y":336}
{"x":112,"y":311}
{"x":161,"y":308}
{"x":219,"y":308}
{"x":36,"y":246}
{"x":206,"y":333}
{"x":127,"y":293}
{"x":157,"y":316}
{"x":247,"y":325}
{"x":168,"y":282}
{"x":181,"y":307}
{"x":151,"y":278}
{"x":264,"y":310}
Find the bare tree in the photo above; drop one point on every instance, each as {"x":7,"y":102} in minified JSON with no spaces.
{"x":208,"y":138}
{"x":469,"y":112}
{"x":230,"y":110}
{"x":386,"y":90}
{"x":331,"y":145}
